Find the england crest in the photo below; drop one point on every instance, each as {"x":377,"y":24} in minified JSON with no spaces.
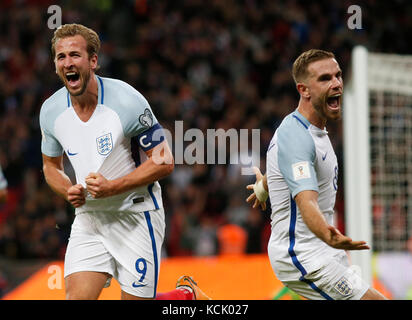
{"x":104,"y":144}
{"x":344,"y":286}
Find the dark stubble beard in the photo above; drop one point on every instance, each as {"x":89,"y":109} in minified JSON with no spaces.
{"x":321,"y":107}
{"x":85,"y":76}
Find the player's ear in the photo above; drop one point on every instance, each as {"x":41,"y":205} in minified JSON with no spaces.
{"x":303,"y":90}
{"x":93,"y":62}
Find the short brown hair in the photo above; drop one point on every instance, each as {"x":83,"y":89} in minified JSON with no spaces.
{"x":300,"y":66}
{"x":70,"y":30}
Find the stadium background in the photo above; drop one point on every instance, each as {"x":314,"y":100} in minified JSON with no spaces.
{"x":215,"y":64}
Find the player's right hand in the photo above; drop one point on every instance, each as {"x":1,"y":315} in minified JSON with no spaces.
{"x":76,"y":195}
{"x":253,"y":198}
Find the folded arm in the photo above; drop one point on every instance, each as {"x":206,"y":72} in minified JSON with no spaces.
{"x":158,"y":165}
{"x":60,"y":183}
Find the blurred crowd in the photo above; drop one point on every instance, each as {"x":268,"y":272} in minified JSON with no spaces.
{"x":214,"y":64}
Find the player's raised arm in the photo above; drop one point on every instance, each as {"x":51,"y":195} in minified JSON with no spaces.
{"x":307,"y":201}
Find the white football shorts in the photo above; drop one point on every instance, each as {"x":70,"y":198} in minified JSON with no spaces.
{"x":125,"y":245}
{"x":335,"y":280}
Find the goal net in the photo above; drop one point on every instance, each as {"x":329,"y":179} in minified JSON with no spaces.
{"x":390,"y":92}
{"x":378,"y":153}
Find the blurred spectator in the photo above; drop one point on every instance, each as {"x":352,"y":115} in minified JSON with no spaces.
{"x":254,"y":228}
{"x":3,"y":283}
{"x":232,"y":239}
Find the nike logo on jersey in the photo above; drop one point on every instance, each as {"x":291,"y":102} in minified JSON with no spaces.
{"x":324,"y":157}
{"x":135,"y":285}
{"x":71,"y":154}
{"x":271,"y":146}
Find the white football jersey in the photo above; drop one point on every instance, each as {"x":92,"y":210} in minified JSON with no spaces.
{"x":300,"y":157}
{"x":111,"y":142}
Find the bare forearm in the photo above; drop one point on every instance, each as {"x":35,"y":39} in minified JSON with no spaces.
{"x":145,"y":174}
{"x":159,"y":164}
{"x":314,"y":219}
{"x":307,"y":202}
{"x":58,"y":181}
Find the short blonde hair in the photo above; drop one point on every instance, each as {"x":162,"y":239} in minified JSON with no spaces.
{"x":70,"y":30}
{"x":300,"y":66}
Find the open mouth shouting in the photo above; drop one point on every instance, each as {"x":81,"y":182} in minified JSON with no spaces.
{"x":334,"y":102}
{"x":73,"y":79}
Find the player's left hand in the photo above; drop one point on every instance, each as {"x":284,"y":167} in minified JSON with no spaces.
{"x":98,"y":186}
{"x":339,"y":241}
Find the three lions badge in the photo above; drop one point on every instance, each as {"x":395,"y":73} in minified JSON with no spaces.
{"x":104,"y":144}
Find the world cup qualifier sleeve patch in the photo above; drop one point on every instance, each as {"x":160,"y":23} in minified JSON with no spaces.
{"x":301,"y":170}
{"x":146,"y":118}
{"x":344,"y":287}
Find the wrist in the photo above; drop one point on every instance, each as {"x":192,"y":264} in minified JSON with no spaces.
{"x":113,"y":187}
{"x":260,"y":191}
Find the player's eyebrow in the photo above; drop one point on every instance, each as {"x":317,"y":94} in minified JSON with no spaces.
{"x":324,"y":76}
{"x":62,"y":54}
{"x":328,"y":76}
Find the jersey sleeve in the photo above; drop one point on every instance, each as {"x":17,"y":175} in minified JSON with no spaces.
{"x":140,"y":116}
{"x":49,"y":144}
{"x":141,"y":124}
{"x":296,"y":159}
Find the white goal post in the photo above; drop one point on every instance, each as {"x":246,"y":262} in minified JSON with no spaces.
{"x":357,"y":193}
{"x":377,"y":116}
